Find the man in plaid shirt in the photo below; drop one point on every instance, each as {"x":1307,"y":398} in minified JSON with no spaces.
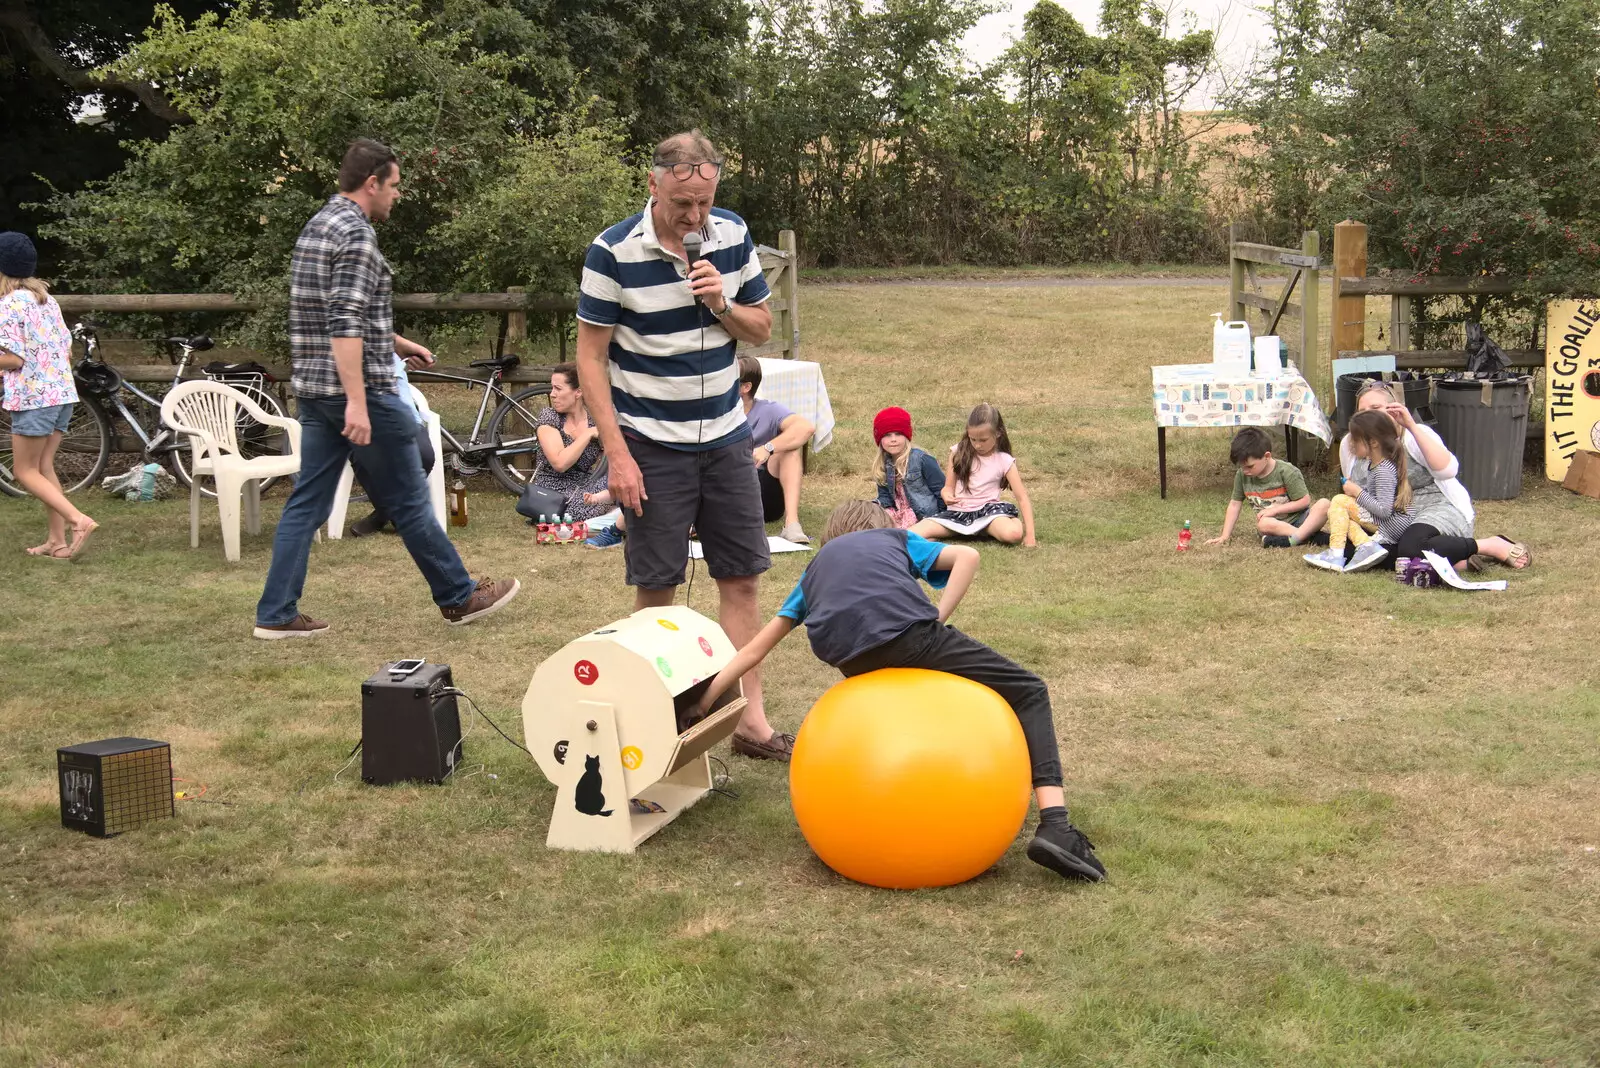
{"x":341,"y":333}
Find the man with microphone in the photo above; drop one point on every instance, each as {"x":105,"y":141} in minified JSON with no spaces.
{"x":667,"y":295}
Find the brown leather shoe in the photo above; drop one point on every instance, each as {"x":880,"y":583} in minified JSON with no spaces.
{"x":489,"y":597}
{"x":779,"y":747}
{"x":301,"y":626}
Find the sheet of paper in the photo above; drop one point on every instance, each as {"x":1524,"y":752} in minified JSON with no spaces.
{"x":1448,"y":573}
{"x":775,"y":544}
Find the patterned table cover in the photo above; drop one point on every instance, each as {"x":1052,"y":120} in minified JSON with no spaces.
{"x":1194,"y":394}
{"x":798,"y":386}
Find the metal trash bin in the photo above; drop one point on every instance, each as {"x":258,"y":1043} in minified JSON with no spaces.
{"x":1485,"y":424}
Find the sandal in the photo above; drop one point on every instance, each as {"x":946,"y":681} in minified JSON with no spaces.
{"x":60,"y":552}
{"x":1520,"y":557}
{"x":80,"y":536}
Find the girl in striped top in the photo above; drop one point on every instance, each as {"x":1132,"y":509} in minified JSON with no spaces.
{"x":1385,"y":495}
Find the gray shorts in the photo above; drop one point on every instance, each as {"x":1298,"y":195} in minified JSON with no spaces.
{"x":716,"y":492}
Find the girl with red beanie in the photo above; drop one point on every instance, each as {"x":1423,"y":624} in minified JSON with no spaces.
{"x":909,"y":479}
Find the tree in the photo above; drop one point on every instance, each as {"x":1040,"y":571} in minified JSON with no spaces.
{"x":1105,"y":132}
{"x":1462,"y":132}
{"x":48,"y":56}
{"x":1283,"y":158}
{"x":660,"y":67}
{"x":217,"y":205}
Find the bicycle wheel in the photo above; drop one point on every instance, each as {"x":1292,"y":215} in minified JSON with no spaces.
{"x":255,"y":439}
{"x":513,"y":425}
{"x":81,"y":459}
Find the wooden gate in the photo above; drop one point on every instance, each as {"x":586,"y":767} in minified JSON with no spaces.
{"x":1247,"y":295}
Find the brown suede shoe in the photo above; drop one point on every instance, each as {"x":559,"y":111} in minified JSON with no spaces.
{"x":489,"y":597}
{"x":301,"y":626}
{"x":779,"y":747}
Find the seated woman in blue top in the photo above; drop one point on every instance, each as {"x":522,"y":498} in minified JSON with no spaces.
{"x":864,"y":610}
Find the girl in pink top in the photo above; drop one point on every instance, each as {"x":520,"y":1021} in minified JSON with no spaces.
{"x":981,"y":465}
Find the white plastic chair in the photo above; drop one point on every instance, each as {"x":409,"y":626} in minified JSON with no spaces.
{"x":341,"y":498}
{"x":207,"y":413}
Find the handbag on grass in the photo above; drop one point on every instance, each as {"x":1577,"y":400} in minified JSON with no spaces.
{"x":537,"y":501}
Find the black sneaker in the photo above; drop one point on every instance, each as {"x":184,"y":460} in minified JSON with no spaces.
{"x":1275,"y":541}
{"x":1065,"y":850}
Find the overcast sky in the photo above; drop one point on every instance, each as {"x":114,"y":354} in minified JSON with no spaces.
{"x":1240,"y":27}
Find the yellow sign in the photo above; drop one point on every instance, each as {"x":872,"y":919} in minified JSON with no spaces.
{"x":669,"y":624}
{"x":1572,"y":383}
{"x":632,"y":757}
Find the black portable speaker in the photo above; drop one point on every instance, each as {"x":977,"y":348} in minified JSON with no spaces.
{"x":410,"y":727}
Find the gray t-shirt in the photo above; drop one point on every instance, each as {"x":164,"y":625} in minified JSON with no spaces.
{"x":860,"y":591}
{"x":766,"y":420}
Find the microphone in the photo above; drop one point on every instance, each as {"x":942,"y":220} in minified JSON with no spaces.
{"x":691,"y":252}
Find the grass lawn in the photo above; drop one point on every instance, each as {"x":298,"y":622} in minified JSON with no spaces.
{"x":1347,"y":823}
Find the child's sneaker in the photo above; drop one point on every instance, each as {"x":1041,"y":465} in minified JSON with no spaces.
{"x":1366,"y":556}
{"x":1327,"y":559}
{"x":606,"y":538}
{"x":1275,"y":541}
{"x":1065,"y":850}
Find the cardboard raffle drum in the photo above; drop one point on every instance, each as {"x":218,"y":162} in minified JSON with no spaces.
{"x":607,"y":720}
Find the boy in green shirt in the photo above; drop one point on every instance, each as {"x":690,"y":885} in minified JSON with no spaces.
{"x":1275,"y":489}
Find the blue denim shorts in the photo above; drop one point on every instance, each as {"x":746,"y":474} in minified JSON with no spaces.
{"x":41,"y":422}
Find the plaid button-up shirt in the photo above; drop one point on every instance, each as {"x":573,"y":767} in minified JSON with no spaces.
{"x":340,"y":286}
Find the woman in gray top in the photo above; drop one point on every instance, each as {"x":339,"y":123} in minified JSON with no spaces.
{"x":1438,"y":524}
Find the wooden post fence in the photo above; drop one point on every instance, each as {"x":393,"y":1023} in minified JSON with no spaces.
{"x":1348,"y":328}
{"x":1352,"y":287}
{"x":780,"y":265}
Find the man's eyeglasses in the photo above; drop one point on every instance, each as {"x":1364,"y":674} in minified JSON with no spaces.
{"x":682,"y":171}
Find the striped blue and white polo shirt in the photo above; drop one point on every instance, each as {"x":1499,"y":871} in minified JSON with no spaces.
{"x":674,"y":378}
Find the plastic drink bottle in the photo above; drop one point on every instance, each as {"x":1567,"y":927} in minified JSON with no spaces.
{"x":542,"y":531}
{"x":458,"y":504}
{"x":1184,"y":536}
{"x":564,"y":531}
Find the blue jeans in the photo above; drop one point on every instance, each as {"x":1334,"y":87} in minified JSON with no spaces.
{"x":390,"y":470}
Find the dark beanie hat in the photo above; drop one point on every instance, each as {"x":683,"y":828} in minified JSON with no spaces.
{"x":18,"y":258}
{"x":891,"y":421}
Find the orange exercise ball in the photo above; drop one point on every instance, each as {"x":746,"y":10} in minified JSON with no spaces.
{"x":905,"y":778}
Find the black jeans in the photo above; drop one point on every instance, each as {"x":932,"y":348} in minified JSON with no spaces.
{"x":940,"y":648}
{"x":425,"y":451}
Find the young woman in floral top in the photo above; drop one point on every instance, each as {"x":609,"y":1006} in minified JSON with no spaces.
{"x":36,"y":358}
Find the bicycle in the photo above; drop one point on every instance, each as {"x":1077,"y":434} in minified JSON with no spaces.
{"x":88,"y":443}
{"x":508,"y":445}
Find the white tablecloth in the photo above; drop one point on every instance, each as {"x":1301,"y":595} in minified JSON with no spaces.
{"x":1194,"y":394}
{"x":798,"y":386}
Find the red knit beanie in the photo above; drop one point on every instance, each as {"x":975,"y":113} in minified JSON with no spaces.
{"x":891,"y":421}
